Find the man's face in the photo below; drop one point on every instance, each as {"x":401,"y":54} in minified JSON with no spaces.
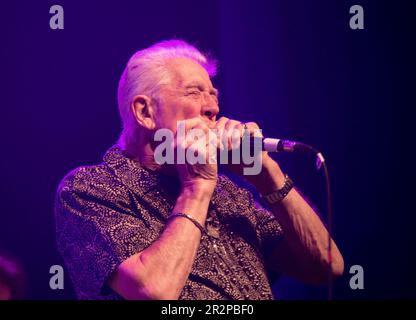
{"x":189,"y":94}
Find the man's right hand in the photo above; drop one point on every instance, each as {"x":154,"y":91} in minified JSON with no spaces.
{"x":161,"y":270}
{"x":202,"y":176}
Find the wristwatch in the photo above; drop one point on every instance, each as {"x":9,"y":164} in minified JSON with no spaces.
{"x":279,"y":195}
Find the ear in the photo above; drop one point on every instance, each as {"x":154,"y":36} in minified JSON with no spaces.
{"x":143,"y":112}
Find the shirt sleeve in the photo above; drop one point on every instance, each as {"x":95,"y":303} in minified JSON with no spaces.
{"x":269,"y":230}
{"x":269,"y":234}
{"x":97,"y":229}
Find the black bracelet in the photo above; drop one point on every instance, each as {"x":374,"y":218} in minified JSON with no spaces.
{"x":190,"y":218}
{"x":279,"y":195}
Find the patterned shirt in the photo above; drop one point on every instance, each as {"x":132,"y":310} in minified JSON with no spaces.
{"x":108,"y":212}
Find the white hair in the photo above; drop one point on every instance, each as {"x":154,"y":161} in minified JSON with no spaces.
{"x":147,"y":70}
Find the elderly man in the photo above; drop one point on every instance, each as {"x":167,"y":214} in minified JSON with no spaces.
{"x":135,"y":229}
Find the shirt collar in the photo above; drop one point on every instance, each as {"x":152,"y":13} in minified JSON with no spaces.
{"x":146,"y":182}
{"x":130,"y":171}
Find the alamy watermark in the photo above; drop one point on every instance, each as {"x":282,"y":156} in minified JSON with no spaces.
{"x":57,"y":20}
{"x":357,"y":20}
{"x":357,"y":280}
{"x":57,"y":280}
{"x":209,"y":147}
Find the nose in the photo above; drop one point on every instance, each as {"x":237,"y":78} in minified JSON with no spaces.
{"x":210,"y":108}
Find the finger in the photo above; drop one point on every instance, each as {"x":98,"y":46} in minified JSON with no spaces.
{"x":233,"y":130}
{"x":200,"y":133}
{"x":253,"y":129}
{"x":212,"y":146}
{"x":202,"y":149}
{"x":219,"y":126}
{"x":190,"y":128}
{"x":188,"y":124}
{"x":221,"y":122}
{"x":231,"y":124}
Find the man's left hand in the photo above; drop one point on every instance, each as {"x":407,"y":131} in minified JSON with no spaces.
{"x":270,"y":176}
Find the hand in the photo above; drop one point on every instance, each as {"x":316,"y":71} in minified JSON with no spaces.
{"x":231,"y":133}
{"x":192,"y":173}
{"x":270,"y":175}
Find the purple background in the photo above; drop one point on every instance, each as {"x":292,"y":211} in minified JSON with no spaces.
{"x":293,"y":66}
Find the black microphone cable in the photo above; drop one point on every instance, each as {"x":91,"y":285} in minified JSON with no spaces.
{"x":299,"y":147}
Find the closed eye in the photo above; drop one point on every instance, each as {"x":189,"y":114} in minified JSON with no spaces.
{"x":197,"y":90}
{"x":193,"y":90}
{"x":214,"y":92}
